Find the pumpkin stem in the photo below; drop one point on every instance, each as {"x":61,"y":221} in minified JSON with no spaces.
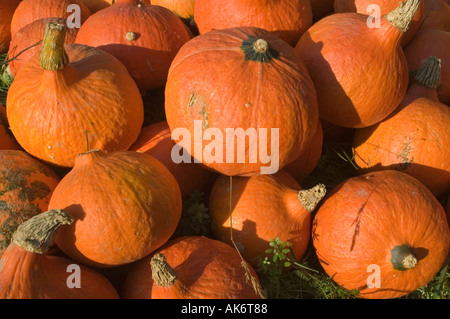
{"x":53,"y":55}
{"x":309,"y":198}
{"x":162,"y":274}
{"x":37,"y":234}
{"x":429,"y":73}
{"x":402,"y":258}
{"x":401,"y":16}
{"x":258,"y":50}
{"x":261,"y":46}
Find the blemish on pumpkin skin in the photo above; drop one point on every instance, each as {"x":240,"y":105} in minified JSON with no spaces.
{"x":195,"y":99}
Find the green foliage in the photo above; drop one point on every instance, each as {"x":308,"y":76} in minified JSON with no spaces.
{"x":5,"y":78}
{"x":195,"y":219}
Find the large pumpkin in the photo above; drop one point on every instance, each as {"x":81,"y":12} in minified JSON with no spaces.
{"x":234,"y":82}
{"x":7,"y":140}
{"x":28,"y":272}
{"x":383,"y":234}
{"x":7,"y":8}
{"x":351,"y":89}
{"x":385,"y":6}
{"x":287,"y":19}
{"x":32,"y":10}
{"x":415,"y":138}
{"x":26,"y":186}
{"x":125,"y":205}
{"x":192,"y":267}
{"x":155,"y":140}
{"x":262,"y":208}
{"x":71,"y":97}
{"x":28,"y":41}
{"x":145,"y":38}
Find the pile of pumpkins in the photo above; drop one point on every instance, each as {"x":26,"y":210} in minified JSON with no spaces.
{"x":86,"y":181}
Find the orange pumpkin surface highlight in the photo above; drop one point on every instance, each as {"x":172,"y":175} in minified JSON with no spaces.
{"x":125,"y":205}
{"x":25,"y":43}
{"x":191,"y":267}
{"x":262,"y":208}
{"x":385,"y":222}
{"x":360,"y":73}
{"x":28,"y":272}
{"x":70,"y":96}
{"x":415,"y":138}
{"x":220,"y":79}
{"x":182,"y":8}
{"x":26,"y":186}
{"x":145,"y":38}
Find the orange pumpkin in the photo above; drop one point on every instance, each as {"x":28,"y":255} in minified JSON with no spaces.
{"x":218,"y":79}
{"x":155,"y":140}
{"x":351,"y":90}
{"x":125,"y":205}
{"x":308,"y":160}
{"x":414,"y":138}
{"x":287,"y":19}
{"x":28,"y":272}
{"x":383,"y":234}
{"x":7,"y":140}
{"x":7,"y":8}
{"x":262,"y":208}
{"x":385,"y":6}
{"x":430,"y":42}
{"x":32,"y":10}
{"x":26,"y":186}
{"x":182,"y":8}
{"x":27,"y":42}
{"x":191,"y":267}
{"x":70,"y":96}
{"x":145,"y":38}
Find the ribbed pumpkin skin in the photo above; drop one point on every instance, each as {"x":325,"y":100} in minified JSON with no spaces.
{"x":155,"y":140}
{"x":414,"y":140}
{"x":26,"y":275}
{"x":307,"y":162}
{"x":351,"y":89}
{"x":26,"y":186}
{"x":160,"y":34}
{"x":365,"y":217}
{"x":205,"y":269}
{"x":28,"y":36}
{"x":386,"y":6}
{"x":7,"y":8}
{"x":31,"y":10}
{"x":182,"y":8}
{"x":263,"y":208}
{"x":7,"y":140}
{"x":49,"y":112}
{"x":432,"y":43}
{"x":230,"y":93}
{"x":287,"y":19}
{"x":126,"y":204}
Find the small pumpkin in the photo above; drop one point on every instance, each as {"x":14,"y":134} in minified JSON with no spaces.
{"x":182,"y":8}
{"x":385,"y":6}
{"x":7,"y":8}
{"x":231,"y":96}
{"x":72,"y":95}
{"x":7,"y":140}
{"x":308,"y":160}
{"x":430,"y":42}
{"x":192,"y":267}
{"x":125,"y":205}
{"x":26,"y":186}
{"x":414,"y":138}
{"x":383,"y":234}
{"x":287,"y":19}
{"x":28,"y":41}
{"x":351,"y":90}
{"x":262,"y":208}
{"x":155,"y":140}
{"x":145,"y":38}
{"x":31,"y":10}
{"x":28,"y":272}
